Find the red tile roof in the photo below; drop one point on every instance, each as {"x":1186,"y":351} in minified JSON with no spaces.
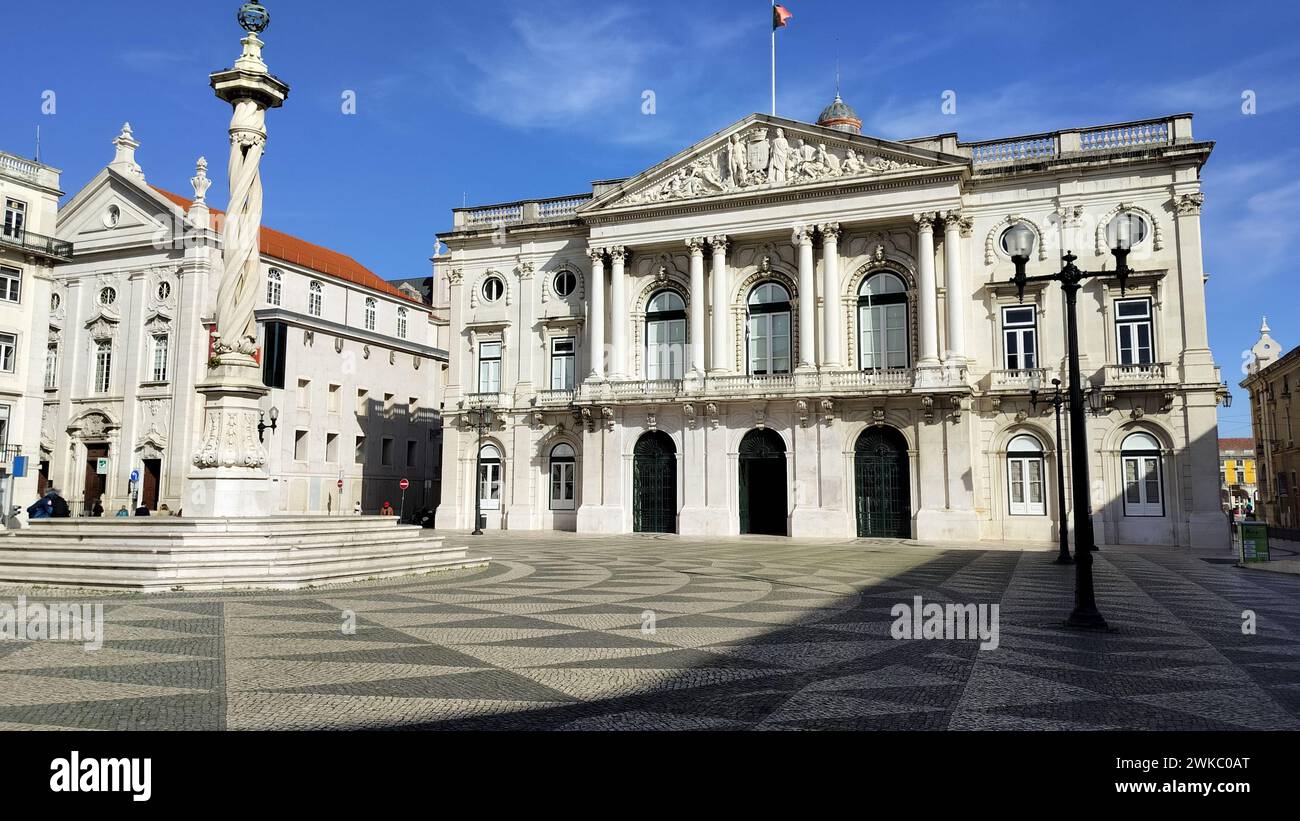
{"x":282,"y":246}
{"x":1236,"y":444}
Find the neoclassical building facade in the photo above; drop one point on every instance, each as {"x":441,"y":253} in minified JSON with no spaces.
{"x":798,"y":329}
{"x":351,"y":361}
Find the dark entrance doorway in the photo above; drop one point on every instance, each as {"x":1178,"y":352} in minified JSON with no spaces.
{"x":880,"y":472}
{"x":149,"y":482}
{"x":43,"y":477}
{"x":762,"y":483}
{"x":654,"y":484}
{"x":95,"y":481}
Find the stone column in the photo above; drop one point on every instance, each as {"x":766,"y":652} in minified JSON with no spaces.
{"x":618,"y":315}
{"x":596,"y":320}
{"x":230,"y":477}
{"x":807,"y":299}
{"x":696,"y":245}
{"x":928,"y":301}
{"x":952,"y":232}
{"x":831,"y":326}
{"x":718,"y":359}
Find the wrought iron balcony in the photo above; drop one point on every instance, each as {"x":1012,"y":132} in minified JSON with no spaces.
{"x":35,"y":244}
{"x":8,"y":452}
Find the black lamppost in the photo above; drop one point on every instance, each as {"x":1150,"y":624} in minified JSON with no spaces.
{"x":1058,"y":398}
{"x":481,"y":419}
{"x":1020,"y":243}
{"x":262,"y":427}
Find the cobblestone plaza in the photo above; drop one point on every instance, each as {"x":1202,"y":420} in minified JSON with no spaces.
{"x":641,"y":632}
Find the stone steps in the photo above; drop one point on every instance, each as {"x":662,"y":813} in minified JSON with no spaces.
{"x":281,"y":553}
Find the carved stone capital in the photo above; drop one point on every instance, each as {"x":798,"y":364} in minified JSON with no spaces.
{"x":524,"y":269}
{"x":925,"y":221}
{"x":830,"y":232}
{"x":617,"y":253}
{"x":596,"y":255}
{"x":719,"y":243}
{"x":802,"y":235}
{"x":1190,"y":204}
{"x":696,"y":245}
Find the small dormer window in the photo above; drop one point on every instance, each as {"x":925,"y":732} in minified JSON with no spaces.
{"x":107,"y":296}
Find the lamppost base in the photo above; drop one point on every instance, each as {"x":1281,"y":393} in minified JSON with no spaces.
{"x":1087,"y":619}
{"x":1063,"y":558}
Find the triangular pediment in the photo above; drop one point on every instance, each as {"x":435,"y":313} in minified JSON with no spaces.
{"x":114,"y":210}
{"x":761,"y":154}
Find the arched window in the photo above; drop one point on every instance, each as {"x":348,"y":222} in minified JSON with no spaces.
{"x":1025,"y":489}
{"x":401,"y":323}
{"x":489,"y":478}
{"x":1143,"y":490}
{"x":370,"y":314}
{"x":665,"y":336}
{"x":563,"y":471}
{"x":315,"y":300}
{"x":273,"y":286}
{"x":882,"y":322}
{"x":769,"y":329}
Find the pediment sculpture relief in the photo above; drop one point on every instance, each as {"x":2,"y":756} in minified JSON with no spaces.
{"x":753,"y":160}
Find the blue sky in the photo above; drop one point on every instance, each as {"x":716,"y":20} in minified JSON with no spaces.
{"x":495,"y":101}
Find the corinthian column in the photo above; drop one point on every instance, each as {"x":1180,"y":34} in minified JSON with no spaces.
{"x":618,"y":316}
{"x":802,"y":240}
{"x":928,"y":305}
{"x":696,"y":244}
{"x":953,"y":227}
{"x":831,"y":327}
{"x":596,"y":320}
{"x":231,"y":479}
{"x":718,"y":361}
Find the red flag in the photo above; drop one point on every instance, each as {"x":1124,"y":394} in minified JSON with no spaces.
{"x":780,"y":14}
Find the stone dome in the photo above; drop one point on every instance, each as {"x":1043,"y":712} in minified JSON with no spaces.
{"x":840,"y":116}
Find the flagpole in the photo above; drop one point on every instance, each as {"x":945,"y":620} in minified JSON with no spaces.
{"x":774,"y":59}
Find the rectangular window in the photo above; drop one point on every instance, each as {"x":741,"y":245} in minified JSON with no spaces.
{"x":103,"y":366}
{"x":666,"y":349}
{"x":1025,"y":475}
{"x":1134,"y":332}
{"x":161,"y":343}
{"x":386,"y":452}
{"x":489,"y":485}
{"x":304,"y":393}
{"x":562,"y":476}
{"x":11,"y":284}
{"x":51,"y":367}
{"x":563,"y":363}
{"x":275,"y":338}
{"x":489,"y":367}
{"x":388,"y":406}
{"x":1142,"y":486}
{"x":4,"y":425}
{"x":1020,"y":338}
{"x":363,"y":402}
{"x":412,"y":452}
{"x":412,"y":407}
{"x":8,"y":352}
{"x":359,"y":455}
{"x":331,"y":447}
{"x":15,"y":218}
{"x":334,"y":398}
{"x":300,"y":445}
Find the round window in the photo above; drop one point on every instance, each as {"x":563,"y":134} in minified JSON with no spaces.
{"x":1127,"y":227}
{"x":1003,"y":240}
{"x":493,"y":288}
{"x":107,"y":296}
{"x":164,"y":290}
{"x":565,"y":283}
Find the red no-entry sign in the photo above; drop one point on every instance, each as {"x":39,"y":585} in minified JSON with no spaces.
{"x":340,"y":484}
{"x":404,"y":484}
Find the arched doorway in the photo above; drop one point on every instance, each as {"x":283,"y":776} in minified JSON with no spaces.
{"x":654,"y":484}
{"x":762,"y":483}
{"x":880,"y":472}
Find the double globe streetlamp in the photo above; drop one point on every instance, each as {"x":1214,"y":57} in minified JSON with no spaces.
{"x":1057,"y":399}
{"x":1020,"y":240}
{"x":481,"y":419}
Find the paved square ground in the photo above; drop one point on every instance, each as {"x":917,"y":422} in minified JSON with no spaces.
{"x":751,"y":633}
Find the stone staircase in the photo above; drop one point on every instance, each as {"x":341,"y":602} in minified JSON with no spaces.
{"x":157,"y":554}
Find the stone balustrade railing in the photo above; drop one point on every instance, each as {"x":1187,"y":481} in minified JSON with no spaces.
{"x":518,"y":213}
{"x":1019,"y":379}
{"x":18,"y":166}
{"x":1056,"y":144}
{"x":1150,"y":373}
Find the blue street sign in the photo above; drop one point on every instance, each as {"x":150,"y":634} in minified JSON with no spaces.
{"x":135,"y":476}
{"x":19,"y":466}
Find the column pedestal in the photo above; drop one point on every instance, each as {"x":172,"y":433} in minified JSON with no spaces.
{"x":230,"y":478}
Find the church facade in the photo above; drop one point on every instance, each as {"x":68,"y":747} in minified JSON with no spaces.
{"x":800,"y":330}
{"x":351,"y":361}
